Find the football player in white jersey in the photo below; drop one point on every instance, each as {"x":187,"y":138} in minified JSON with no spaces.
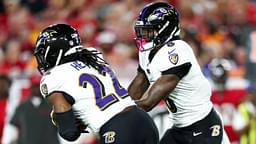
{"x":84,"y":91}
{"x":168,"y":70}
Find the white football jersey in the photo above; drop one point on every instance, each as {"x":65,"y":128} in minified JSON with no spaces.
{"x":192,"y":94}
{"x":98,"y":96}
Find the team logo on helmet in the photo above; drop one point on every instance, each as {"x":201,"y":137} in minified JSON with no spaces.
{"x":44,"y":36}
{"x":48,"y":33}
{"x":174,"y":58}
{"x":160,"y":14}
{"x":44,"y":89}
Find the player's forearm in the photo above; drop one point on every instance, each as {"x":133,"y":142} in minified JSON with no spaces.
{"x":136,"y":91}
{"x":63,"y":117}
{"x":151,"y":98}
{"x":158,"y":91}
{"x":138,"y":87}
{"x":146,"y":104}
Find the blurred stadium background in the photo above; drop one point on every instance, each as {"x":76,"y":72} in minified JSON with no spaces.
{"x":216,"y":29}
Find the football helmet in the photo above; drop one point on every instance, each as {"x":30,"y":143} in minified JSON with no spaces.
{"x":54,"y":43}
{"x":219,"y":68}
{"x":156,"y":24}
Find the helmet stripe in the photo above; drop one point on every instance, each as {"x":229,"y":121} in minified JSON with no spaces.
{"x":46,"y":52}
{"x":175,"y":32}
{"x":59,"y":57}
{"x":165,"y":25}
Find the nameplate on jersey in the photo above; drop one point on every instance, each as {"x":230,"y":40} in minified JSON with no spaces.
{"x":78,"y":65}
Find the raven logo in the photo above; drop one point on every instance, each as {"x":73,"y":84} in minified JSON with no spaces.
{"x":44,"y":36}
{"x":174,"y":58}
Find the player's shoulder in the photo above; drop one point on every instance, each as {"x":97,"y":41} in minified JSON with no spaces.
{"x":173,"y":53}
{"x":177,"y":47}
{"x":171,"y":49}
{"x":180,"y":42}
{"x":56,"y":72}
{"x":166,"y":55}
{"x":53,"y":79}
{"x":181,"y":45}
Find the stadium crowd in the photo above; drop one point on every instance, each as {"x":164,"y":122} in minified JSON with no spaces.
{"x":222,"y":34}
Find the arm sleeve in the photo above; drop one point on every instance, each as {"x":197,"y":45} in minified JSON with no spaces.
{"x":66,"y":124}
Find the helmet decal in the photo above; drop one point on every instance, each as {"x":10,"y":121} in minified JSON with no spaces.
{"x":160,"y":14}
{"x":45,"y":35}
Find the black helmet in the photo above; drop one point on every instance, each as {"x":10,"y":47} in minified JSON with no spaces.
{"x":157,"y":24}
{"x":55,"y":42}
{"x":219,"y":68}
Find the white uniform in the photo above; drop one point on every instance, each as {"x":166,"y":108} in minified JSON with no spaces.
{"x":98,"y":97}
{"x":192,"y":94}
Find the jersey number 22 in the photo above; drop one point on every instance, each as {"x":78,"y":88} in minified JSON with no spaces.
{"x":103,"y":100}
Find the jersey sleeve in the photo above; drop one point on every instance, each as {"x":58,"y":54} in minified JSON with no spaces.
{"x":50,"y":83}
{"x":56,"y":81}
{"x":174,"y":60}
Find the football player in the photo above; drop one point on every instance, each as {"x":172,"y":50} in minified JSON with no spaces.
{"x":168,"y":71}
{"x":84,"y":91}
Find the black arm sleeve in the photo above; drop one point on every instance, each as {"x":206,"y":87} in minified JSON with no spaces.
{"x":66,"y":125}
{"x":180,"y":70}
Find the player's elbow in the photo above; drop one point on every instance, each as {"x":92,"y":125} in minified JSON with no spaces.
{"x":69,"y":135}
{"x":148,"y":108}
{"x":67,"y":125}
{"x":145,"y":105}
